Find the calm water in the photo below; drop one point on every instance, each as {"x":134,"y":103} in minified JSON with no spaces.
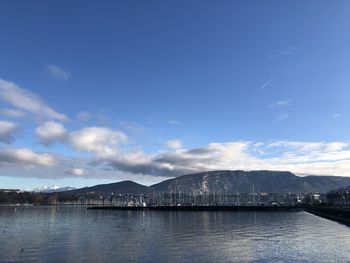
{"x":74,"y":234}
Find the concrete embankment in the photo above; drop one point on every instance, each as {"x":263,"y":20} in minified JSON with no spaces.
{"x":339,"y":214}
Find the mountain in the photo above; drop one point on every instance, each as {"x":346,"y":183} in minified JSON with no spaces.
{"x":51,"y":189}
{"x":229,"y":182}
{"x":243,"y":182}
{"x":124,"y":187}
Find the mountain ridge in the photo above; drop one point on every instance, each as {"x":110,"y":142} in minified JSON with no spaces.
{"x":123,"y":187}
{"x":237,"y":181}
{"x":244,"y":181}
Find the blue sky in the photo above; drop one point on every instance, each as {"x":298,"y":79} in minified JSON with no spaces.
{"x":146,"y":90}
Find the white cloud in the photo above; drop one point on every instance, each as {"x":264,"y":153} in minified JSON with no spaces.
{"x":175,"y":144}
{"x":26,"y":100}
{"x":110,"y":157}
{"x":216,"y":156}
{"x":76,"y":172}
{"x":56,"y":72}
{"x":100,"y":140}
{"x":25,"y":157}
{"x":12,"y":113}
{"x":318,"y":158}
{"x":280,"y":103}
{"x":7,"y":131}
{"x":50,"y":132}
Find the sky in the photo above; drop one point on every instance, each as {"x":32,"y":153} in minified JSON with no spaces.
{"x":95,"y":92}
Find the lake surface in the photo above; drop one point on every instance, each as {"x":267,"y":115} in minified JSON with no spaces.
{"x":75,"y":234}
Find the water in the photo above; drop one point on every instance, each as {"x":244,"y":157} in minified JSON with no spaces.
{"x":74,"y":234}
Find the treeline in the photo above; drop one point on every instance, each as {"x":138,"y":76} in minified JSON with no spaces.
{"x":35,"y":198}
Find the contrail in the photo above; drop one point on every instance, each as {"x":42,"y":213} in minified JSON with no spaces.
{"x":266,"y":84}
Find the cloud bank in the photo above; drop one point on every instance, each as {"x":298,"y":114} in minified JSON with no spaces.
{"x":25,"y":157}
{"x":103,"y":152}
{"x":110,"y":160}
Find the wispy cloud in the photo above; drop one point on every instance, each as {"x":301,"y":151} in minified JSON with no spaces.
{"x":280,"y":103}
{"x":84,"y":116}
{"x":335,"y":115}
{"x":12,"y":113}
{"x":25,"y":100}
{"x":56,"y":72}
{"x":173,"y":122}
{"x":132,"y":127}
{"x":288,"y":51}
{"x":309,"y":147}
{"x":99,"y":118}
{"x":282,"y":117}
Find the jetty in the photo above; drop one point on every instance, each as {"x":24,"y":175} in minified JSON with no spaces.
{"x":201,"y":208}
{"x":335,"y":213}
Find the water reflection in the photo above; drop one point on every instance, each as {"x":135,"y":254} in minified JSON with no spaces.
{"x":74,"y":234}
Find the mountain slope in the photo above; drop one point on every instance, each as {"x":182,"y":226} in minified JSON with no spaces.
{"x":124,"y":187}
{"x":227,"y":181}
{"x":242,"y":181}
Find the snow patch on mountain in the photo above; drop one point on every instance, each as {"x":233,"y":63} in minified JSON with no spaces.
{"x":50,"y":189}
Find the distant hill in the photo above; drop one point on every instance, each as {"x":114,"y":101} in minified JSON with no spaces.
{"x":229,"y":182}
{"x":243,"y":182}
{"x":124,"y":187}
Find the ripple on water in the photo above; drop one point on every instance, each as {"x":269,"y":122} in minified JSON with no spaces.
{"x":73,"y":234}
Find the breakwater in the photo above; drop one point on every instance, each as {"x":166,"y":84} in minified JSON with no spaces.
{"x":339,"y":214}
{"x":201,"y":208}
